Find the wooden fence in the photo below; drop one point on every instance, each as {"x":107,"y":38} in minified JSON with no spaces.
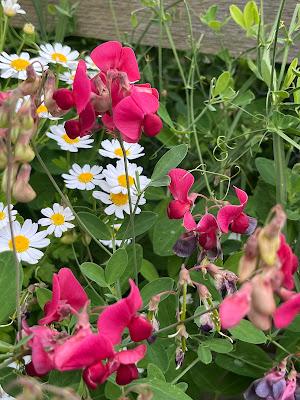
{"x":95,"y":19}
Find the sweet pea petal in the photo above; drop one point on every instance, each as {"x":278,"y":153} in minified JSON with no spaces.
{"x":181,"y":183}
{"x":286,"y":312}
{"x":81,"y":87}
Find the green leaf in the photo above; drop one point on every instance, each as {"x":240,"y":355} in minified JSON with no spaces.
{"x":133,"y":20}
{"x":296,"y":94}
{"x":219,"y":345}
{"x":232,"y":262}
{"x":247,"y":332}
{"x":171,"y":159}
{"x":237,"y":15}
{"x":65,"y":379}
{"x":8,"y":285}
{"x":155,"y":287}
{"x":154,"y":372}
{"x":210,"y":14}
{"x":251,"y":16}
{"x":266,"y":169}
{"x":116,"y":266}
{"x":94,"y":225}
{"x":148,"y":271}
{"x":165,"y":234}
{"x":94,"y":272}
{"x":165,"y":116}
{"x":142,"y":223}
{"x":204,"y":353}
{"x":43,"y":295}
{"x":162,"y":390}
{"x":133,"y":253}
{"x":290,"y":75}
{"x":222,"y":83}
{"x":157,"y":354}
{"x":266,"y":68}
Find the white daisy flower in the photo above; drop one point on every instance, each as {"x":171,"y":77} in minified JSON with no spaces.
{"x":68,"y":77}
{"x":27,"y":240}
{"x":115,"y":177}
{"x":117,"y":202}
{"x":117,"y":243}
{"x":4,"y":214}
{"x":42,"y":110}
{"x":58,"y":54}
{"x":83,"y":178}
{"x":58,"y":133}
{"x":14,"y":65}
{"x":112,"y":149}
{"x":11,"y":8}
{"x":57,"y":219}
{"x":91,"y":66}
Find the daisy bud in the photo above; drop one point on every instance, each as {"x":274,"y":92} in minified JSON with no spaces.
{"x":29,"y":29}
{"x":248,"y":261}
{"x":22,"y":190}
{"x":86,"y":239}
{"x":69,"y":237}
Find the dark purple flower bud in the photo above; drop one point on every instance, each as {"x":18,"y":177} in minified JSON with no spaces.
{"x":185,"y":245}
{"x":179,"y":358}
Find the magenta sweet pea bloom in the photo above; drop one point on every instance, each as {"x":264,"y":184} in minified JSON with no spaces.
{"x":235,"y":307}
{"x":180,"y":185}
{"x":207,"y":229}
{"x":136,"y":113}
{"x":124,"y":314}
{"x":289,"y":263}
{"x":287,"y":311}
{"x":68,"y":296}
{"x":232,"y":217}
{"x":112,"y":56}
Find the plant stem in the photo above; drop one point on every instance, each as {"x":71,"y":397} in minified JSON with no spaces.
{"x":112,"y":10}
{"x":130,"y":209}
{"x":4,"y":33}
{"x":190,"y":366}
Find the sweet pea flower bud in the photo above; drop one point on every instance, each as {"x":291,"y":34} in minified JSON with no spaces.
{"x":4,"y":118}
{"x":49,"y":89}
{"x":22,"y":190}
{"x":32,"y":83}
{"x":248,"y":261}
{"x":262,"y":295}
{"x":3,"y":155}
{"x":24,"y":153}
{"x":184,"y":277}
{"x":261,"y":321}
{"x":12,"y":178}
{"x":29,"y":29}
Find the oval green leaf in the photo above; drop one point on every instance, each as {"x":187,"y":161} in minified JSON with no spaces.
{"x":116,"y":266}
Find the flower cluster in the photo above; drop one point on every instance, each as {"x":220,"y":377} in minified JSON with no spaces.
{"x":94,"y":353}
{"x":278,"y":384}
{"x":266,"y":269}
{"x":125,"y":107}
{"x":117,"y":188}
{"x":206,"y":233}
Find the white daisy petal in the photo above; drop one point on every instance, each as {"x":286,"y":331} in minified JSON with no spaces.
{"x":56,"y":222}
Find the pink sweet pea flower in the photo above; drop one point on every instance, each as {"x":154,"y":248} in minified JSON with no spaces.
{"x":67,"y":296}
{"x":180,"y":185}
{"x":235,"y":307}
{"x":232,"y":217}
{"x":207,"y":230}
{"x":123,"y":314}
{"x":287,"y":311}
{"x":42,"y":346}
{"x":136,"y":113}
{"x":289,"y":263}
{"x":112,"y":56}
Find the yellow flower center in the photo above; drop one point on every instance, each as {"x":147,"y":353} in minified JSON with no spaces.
{"x":69,"y":140}
{"x":85,"y":177}
{"x":59,"y":57}
{"x":9,"y":11}
{"x":19,"y":64}
{"x":118,"y":152}
{"x":2,"y":215}
{"x":21,"y":243}
{"x":42,"y":109}
{"x":58,"y":219}
{"x":119,"y":199}
{"x":122,"y":180}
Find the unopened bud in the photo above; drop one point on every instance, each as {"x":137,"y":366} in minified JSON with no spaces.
{"x":29,"y":29}
{"x":262,"y":295}
{"x":248,"y":261}
{"x":32,"y":83}
{"x":22,"y":190}
{"x":12,"y":177}
{"x":49,"y":89}
{"x":3,"y":155}
{"x":24,"y":153}
{"x":268,"y":246}
{"x":184,"y":277}
{"x":25,"y":116}
{"x":69,"y":237}
{"x":261,"y":321}
{"x":86,"y":239}
{"x":4,"y":118}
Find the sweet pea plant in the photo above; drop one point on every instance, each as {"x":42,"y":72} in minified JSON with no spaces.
{"x":172,"y":276}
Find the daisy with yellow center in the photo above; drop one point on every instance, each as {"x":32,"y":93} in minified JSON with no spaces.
{"x":58,"y":54}
{"x":27,"y":241}
{"x":112,"y":149}
{"x":11,"y":8}
{"x":14,"y":65}
{"x":42,"y":110}
{"x":58,"y":133}
{"x":83,"y":178}
{"x":4,"y":220}
{"x":115,"y":177}
{"x":57,"y":219}
{"x":117,"y":203}
{"x":67,"y":77}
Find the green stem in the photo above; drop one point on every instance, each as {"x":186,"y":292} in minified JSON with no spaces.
{"x":190,"y":366}
{"x":130,"y":209}
{"x":112,"y":10}
{"x":4,"y":33}
{"x":280,"y":168}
